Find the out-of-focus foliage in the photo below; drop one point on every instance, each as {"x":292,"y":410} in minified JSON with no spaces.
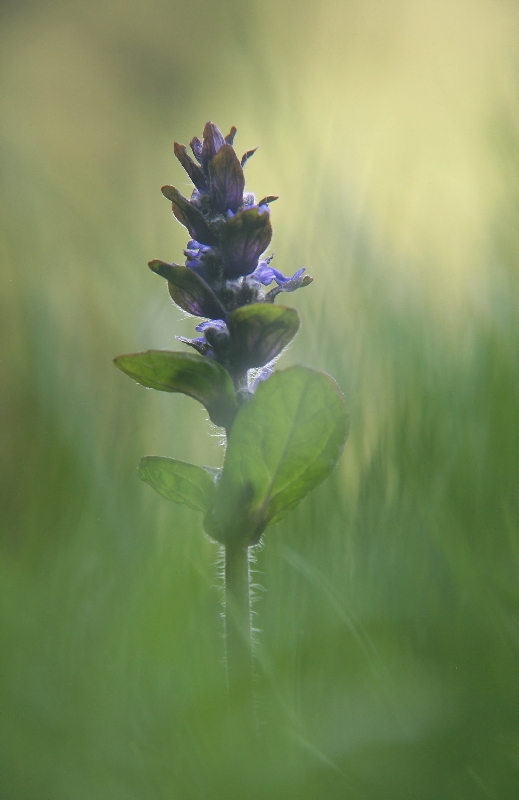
{"x":389,"y":652}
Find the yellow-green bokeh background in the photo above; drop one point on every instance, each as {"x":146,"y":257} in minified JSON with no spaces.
{"x":389,"y":652}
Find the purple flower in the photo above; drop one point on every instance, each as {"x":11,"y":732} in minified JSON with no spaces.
{"x":216,"y":324}
{"x":194,"y":253}
{"x":265,"y":274}
{"x":199,"y":344}
{"x":215,"y":340}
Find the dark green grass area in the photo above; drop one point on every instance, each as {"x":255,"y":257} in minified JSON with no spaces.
{"x":387,"y":603}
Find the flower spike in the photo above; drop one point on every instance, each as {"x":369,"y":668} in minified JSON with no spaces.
{"x":284,"y":430}
{"x":230,"y":232}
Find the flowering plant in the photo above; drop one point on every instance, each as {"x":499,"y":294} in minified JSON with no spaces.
{"x":285,"y":429}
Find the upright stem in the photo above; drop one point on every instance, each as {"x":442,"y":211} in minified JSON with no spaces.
{"x":238,"y":638}
{"x":238,"y":626}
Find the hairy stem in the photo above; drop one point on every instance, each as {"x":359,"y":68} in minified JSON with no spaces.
{"x":238,"y":625}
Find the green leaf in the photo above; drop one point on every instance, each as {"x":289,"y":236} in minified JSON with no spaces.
{"x":178,"y":481}
{"x":201,"y":378}
{"x":189,"y":216}
{"x":260,"y":331}
{"x":285,"y":441}
{"x":189,"y":290}
{"x":243,"y":238}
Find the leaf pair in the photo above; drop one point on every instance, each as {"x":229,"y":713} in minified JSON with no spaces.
{"x":285,"y":441}
{"x":258,"y":334}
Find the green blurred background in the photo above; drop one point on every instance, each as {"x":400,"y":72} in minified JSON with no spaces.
{"x":389,"y":651}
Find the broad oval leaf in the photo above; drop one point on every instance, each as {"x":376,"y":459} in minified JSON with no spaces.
{"x":285,"y":441}
{"x":243,"y":238}
{"x":179,"y":481}
{"x":189,"y":290}
{"x":260,"y":331}
{"x":201,"y":378}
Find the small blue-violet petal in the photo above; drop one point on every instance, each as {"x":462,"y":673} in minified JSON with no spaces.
{"x":194,"y":253}
{"x":218,"y":324}
{"x":265,"y":274}
{"x":296,"y":274}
